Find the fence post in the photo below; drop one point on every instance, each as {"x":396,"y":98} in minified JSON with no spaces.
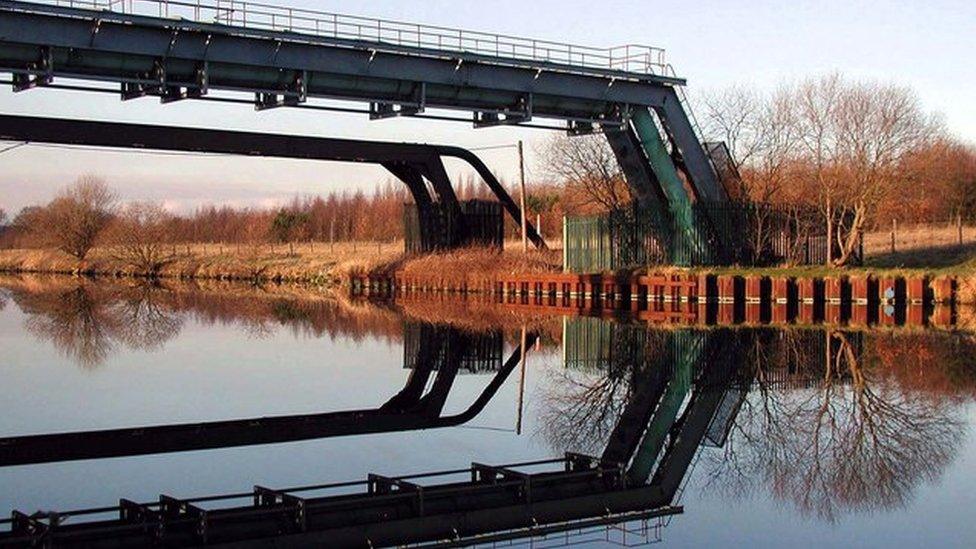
{"x":894,"y":228}
{"x":565,"y":246}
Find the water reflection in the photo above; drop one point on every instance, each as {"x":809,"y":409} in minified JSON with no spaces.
{"x":831,"y":421}
{"x":841,"y":430}
{"x":89,"y":321}
{"x":826,"y":421}
{"x":438,"y":354}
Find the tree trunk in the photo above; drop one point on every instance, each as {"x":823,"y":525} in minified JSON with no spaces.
{"x":830,"y":233}
{"x":849,"y":242}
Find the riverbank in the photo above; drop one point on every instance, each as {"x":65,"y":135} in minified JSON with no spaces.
{"x":326,"y":265}
{"x":318,"y":263}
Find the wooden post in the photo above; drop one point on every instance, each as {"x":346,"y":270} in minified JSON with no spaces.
{"x":538,"y":224}
{"x":894,"y":228}
{"x":525,"y":236}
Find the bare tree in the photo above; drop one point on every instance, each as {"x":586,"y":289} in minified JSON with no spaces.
{"x":856,"y":136}
{"x":75,"y":219}
{"x":588,"y":168}
{"x":581,"y":409}
{"x":3,"y":217}
{"x":876,"y":127}
{"x":140,"y":237}
{"x":733,"y":115}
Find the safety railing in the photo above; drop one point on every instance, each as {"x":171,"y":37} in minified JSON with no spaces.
{"x":631,"y":58}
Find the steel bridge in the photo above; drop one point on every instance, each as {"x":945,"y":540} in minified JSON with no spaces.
{"x":678,"y":402}
{"x":286,"y":57}
{"x":416,"y":165}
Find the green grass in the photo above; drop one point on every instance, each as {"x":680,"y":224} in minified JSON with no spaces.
{"x":931,"y":261}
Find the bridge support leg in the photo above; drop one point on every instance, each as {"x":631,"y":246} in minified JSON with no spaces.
{"x":496,"y":187}
{"x":454,"y":231}
{"x":643,"y":184}
{"x":692,"y":153}
{"x":414,"y":179}
{"x":687,"y":242}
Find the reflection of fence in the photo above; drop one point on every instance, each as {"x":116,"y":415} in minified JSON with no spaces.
{"x":441,"y":347}
{"x":482,"y":224}
{"x":593,"y":345}
{"x":596,"y":345}
{"x":728,"y":233}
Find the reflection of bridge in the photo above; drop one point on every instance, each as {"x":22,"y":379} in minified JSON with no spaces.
{"x":669,"y":412}
{"x":286,"y":57}
{"x":435,"y":348}
{"x":416,"y":406}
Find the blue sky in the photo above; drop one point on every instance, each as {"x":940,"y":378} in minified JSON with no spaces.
{"x":927,"y":45}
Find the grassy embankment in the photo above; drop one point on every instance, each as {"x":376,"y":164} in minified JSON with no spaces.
{"x":926,"y":250}
{"x":318,"y":263}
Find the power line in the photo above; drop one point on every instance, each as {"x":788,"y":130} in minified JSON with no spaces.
{"x":12,"y":147}
{"x":493,"y":147}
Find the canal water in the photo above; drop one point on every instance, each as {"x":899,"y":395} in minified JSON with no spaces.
{"x":808,"y":435}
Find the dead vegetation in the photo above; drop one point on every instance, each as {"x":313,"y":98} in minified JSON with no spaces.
{"x":322,"y":264}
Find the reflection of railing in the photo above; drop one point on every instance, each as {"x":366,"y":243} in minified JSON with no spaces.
{"x":254,"y":15}
{"x":470,"y":505}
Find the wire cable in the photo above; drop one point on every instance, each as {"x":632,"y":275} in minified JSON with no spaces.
{"x":12,"y":147}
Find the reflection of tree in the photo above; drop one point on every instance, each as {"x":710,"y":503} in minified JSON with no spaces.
{"x":144,"y":321}
{"x":86,"y":323}
{"x":855,"y":440}
{"x":580,"y":408}
{"x":74,"y":321}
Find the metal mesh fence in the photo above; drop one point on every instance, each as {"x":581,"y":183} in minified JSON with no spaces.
{"x":738,"y":233}
{"x":482,"y":223}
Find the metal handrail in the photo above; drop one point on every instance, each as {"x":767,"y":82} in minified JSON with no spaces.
{"x":632,"y":58}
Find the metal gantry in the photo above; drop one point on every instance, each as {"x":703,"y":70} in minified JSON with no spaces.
{"x":287,"y":57}
{"x":414,"y":164}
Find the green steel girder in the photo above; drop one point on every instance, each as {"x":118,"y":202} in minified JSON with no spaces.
{"x":679,"y":196}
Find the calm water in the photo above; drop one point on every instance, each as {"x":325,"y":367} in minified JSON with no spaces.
{"x":813,"y":436}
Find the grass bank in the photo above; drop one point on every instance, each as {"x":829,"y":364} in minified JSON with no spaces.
{"x":318,"y":263}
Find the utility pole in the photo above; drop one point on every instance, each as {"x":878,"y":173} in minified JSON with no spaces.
{"x":525,"y":236}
